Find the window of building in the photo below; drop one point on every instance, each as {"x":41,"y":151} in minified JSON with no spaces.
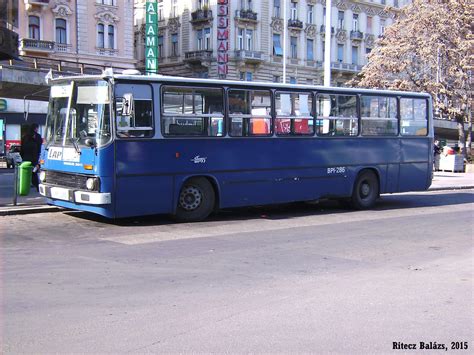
{"x":188,"y":111}
{"x":292,"y":80}
{"x":160,"y":47}
{"x":369,"y":24}
{"x":34,"y":27}
{"x":309,"y":82}
{"x":355,"y":22}
{"x":174,"y":8}
{"x":382,"y":27}
{"x":276,"y":8}
{"x":382,"y":2}
{"x":204,"y":39}
{"x":61,"y":32}
{"x":368,"y":50}
{"x":395,"y":3}
{"x":294,"y":11}
{"x":174,"y":45}
{"x":240,"y":39}
{"x":336,"y":115}
{"x":160,"y":11}
{"x":294,"y":47}
{"x":277,"y":50}
{"x":294,"y":113}
{"x":111,"y":36}
{"x":413,"y":117}
{"x":340,"y":53}
{"x":309,"y":49}
{"x":276,"y":78}
{"x":249,"y":40}
{"x":203,"y":4}
{"x":340,"y":20}
{"x":106,"y":2}
{"x":100,"y":36}
{"x":310,"y":14}
{"x":355,"y":55}
{"x":246,"y":76}
{"x":246,"y":4}
{"x":324,"y":16}
{"x":250,"y":112}
{"x":379,"y":116}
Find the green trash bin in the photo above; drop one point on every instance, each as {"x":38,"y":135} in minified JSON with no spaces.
{"x":24,"y":178}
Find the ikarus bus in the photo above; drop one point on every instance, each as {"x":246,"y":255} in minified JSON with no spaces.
{"x":130,"y":145}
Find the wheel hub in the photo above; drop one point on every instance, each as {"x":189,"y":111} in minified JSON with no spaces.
{"x":365,"y":190}
{"x":190,"y":198}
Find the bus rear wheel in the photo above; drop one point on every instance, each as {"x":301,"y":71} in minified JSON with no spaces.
{"x":366,"y":191}
{"x":196,"y":200}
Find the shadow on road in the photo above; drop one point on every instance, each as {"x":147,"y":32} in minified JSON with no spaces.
{"x":293,"y":210}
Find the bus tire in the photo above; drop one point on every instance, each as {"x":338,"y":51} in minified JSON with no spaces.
{"x":366,"y":190}
{"x":196,"y":200}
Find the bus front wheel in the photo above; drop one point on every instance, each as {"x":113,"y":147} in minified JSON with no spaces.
{"x":366,"y":190}
{"x":196,"y":200}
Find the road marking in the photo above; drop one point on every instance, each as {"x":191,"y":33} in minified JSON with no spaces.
{"x":223,"y":228}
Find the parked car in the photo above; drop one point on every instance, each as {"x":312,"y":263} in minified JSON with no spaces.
{"x":13,"y":156}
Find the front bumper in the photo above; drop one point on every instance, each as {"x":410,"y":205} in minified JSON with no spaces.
{"x":76,"y":196}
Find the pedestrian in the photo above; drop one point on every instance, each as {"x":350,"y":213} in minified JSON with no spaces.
{"x":30,"y":151}
{"x":436,"y":154}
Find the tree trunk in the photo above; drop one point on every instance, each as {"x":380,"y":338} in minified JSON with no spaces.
{"x":462,"y":135}
{"x":469,"y":139}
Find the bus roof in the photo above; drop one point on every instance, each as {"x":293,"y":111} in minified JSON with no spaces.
{"x":247,"y":84}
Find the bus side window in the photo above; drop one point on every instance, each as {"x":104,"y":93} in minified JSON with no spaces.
{"x":139,"y":124}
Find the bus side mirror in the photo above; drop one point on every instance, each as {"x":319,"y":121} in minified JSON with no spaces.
{"x":127,"y":105}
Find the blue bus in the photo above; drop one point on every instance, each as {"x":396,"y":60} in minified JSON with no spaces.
{"x":130,"y":145}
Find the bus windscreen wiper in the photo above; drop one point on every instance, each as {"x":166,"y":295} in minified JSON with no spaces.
{"x":76,"y":146}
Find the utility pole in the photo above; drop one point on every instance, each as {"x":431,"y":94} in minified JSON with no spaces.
{"x":327,"y":45}
{"x":285,"y":24}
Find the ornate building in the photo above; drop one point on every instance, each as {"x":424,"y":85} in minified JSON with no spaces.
{"x":196,"y":37}
{"x":94,"y":32}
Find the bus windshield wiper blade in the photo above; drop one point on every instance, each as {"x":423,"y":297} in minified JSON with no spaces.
{"x":76,"y":146}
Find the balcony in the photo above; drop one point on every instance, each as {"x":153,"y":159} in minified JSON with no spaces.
{"x":106,"y":51}
{"x":357,"y":36}
{"x":252,"y":57}
{"x":346,"y":67}
{"x":200,"y":16}
{"x":203,"y":57}
{"x":37,"y":2}
{"x":36,"y":45}
{"x":295,"y":24}
{"x":63,"y":48}
{"x":246,"y":15}
{"x":323,"y":29}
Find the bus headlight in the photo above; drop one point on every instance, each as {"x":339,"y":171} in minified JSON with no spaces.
{"x":92,"y":184}
{"x":42,"y":176}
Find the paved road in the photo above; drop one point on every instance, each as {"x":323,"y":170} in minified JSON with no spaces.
{"x":289,"y":279}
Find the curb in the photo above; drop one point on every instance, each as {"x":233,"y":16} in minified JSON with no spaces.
{"x":17,"y":210}
{"x":465,"y":187}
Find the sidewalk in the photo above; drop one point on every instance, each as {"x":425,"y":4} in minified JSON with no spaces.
{"x":35,"y":203}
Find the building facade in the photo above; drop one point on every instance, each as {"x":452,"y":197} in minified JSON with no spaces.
{"x":196,"y":37}
{"x":98,"y":32}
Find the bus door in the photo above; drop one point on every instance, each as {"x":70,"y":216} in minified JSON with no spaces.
{"x":141,"y":185}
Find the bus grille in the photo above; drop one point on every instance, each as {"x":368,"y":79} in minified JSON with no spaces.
{"x":67,"y":180}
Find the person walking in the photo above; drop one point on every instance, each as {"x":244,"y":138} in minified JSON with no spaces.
{"x":436,"y":155}
{"x":30,"y":151}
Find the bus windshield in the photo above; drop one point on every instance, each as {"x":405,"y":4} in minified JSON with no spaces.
{"x":79,"y":114}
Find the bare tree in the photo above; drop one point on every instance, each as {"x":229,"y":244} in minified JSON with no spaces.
{"x":429,"y":48}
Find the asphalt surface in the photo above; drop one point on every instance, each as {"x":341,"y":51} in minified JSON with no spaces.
{"x":288,"y":279}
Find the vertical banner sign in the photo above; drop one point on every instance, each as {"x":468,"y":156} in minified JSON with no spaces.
{"x":151,"y":37}
{"x":222,"y":38}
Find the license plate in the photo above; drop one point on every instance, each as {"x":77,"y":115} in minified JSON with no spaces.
{"x":60,"y":193}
